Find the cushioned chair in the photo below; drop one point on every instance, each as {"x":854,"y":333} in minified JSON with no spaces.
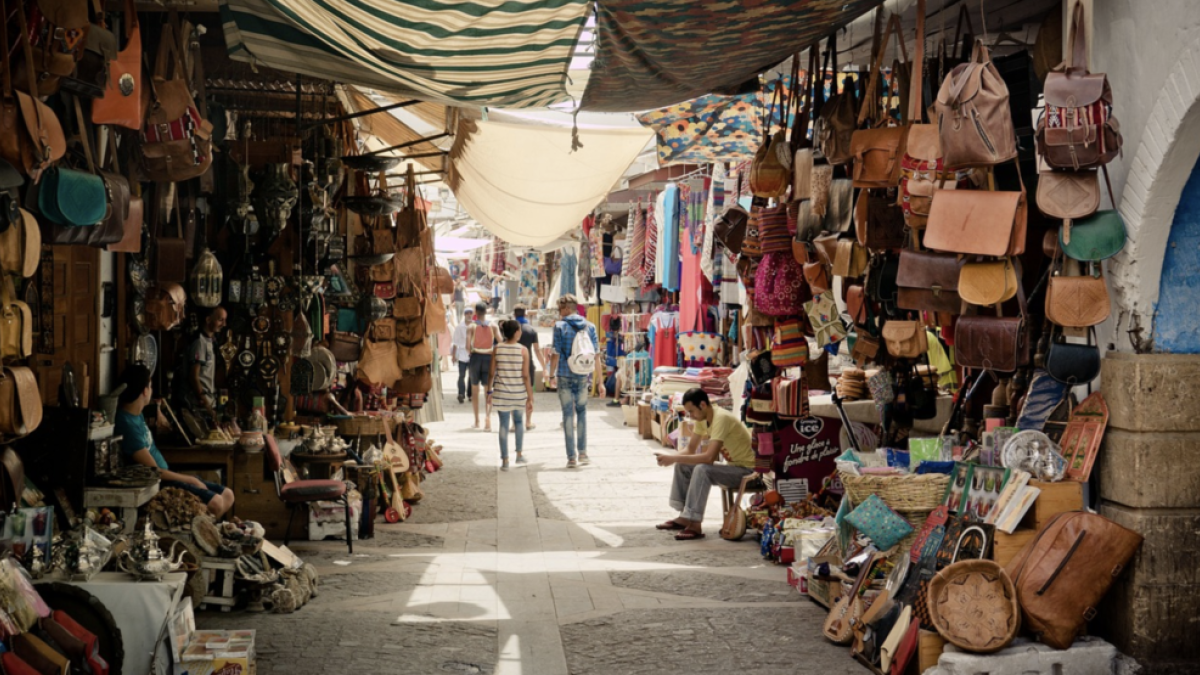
{"x":300,"y":492}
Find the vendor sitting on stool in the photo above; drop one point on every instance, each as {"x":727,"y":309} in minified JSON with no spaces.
{"x":137,"y":445}
{"x":696,"y":470}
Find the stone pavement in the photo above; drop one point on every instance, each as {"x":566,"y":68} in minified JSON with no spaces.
{"x":543,"y":571}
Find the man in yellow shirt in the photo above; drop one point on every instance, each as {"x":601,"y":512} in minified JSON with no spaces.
{"x":696,"y":468}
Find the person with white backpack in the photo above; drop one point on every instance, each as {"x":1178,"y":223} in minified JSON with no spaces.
{"x":574,"y":362}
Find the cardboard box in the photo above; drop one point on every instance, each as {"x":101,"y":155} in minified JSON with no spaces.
{"x":1055,"y":498}
{"x":208,"y":652}
{"x":1007,"y":546}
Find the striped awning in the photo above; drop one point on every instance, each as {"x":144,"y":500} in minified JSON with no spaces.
{"x":503,"y":53}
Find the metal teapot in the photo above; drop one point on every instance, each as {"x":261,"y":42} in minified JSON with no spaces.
{"x":145,"y":560}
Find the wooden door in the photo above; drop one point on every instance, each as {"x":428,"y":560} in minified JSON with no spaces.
{"x":72,"y":333}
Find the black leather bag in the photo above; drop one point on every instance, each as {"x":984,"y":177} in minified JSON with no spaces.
{"x":1073,"y":364}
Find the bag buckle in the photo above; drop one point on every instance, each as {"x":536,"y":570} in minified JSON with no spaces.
{"x":937,"y":291}
{"x":1089,"y":613}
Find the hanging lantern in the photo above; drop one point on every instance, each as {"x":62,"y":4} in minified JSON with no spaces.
{"x":206,"y":280}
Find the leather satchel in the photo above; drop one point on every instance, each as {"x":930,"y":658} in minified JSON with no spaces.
{"x":1077,"y":302}
{"x":730,"y":228}
{"x":72,"y":198}
{"x":21,"y":246}
{"x":1069,"y":195}
{"x":928,"y":281}
{"x":987,"y":283}
{"x":838,"y":118}
{"x":20,"y":403}
{"x":877,"y":155}
{"x":978,"y":223}
{"x":974,"y":120}
{"x":856,"y":304}
{"x":1073,"y":364}
{"x":993,"y":343}
{"x":122,"y":101}
{"x":1097,"y":237}
{"x":16,"y":324}
{"x":1066,"y":570}
{"x":37,"y":141}
{"x":346,"y":347}
{"x":817,"y":276}
{"x":851,"y":259}
{"x":410,"y":330}
{"x":166,"y":304}
{"x":413,"y":356}
{"x":905,"y":339}
{"x":769,"y":176}
{"x":378,"y":364}
{"x":878,"y":222}
{"x":826,"y":247}
{"x":177,"y":141}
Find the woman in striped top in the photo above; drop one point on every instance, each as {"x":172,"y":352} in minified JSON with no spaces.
{"x":510,"y":391}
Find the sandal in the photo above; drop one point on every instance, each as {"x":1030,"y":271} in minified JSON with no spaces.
{"x":689,"y":535}
{"x":669,"y":525}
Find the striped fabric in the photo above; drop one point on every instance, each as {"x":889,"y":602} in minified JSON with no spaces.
{"x":790,"y":347}
{"x":508,"y":389}
{"x":635,"y":248}
{"x":790,"y":397}
{"x":648,"y":266}
{"x":504,"y":53}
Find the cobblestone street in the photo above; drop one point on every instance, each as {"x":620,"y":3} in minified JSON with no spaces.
{"x":543,"y":571}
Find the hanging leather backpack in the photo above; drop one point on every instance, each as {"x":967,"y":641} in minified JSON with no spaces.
{"x":975,"y":124}
{"x":877,"y":151}
{"x":58,"y":32}
{"x":177,"y":141}
{"x":31,"y":137}
{"x":838,"y":118}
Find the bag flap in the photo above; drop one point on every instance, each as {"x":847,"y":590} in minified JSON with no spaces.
{"x":987,"y":283}
{"x":926,"y":269}
{"x":855,"y":301}
{"x":1098,"y":237}
{"x":1074,"y":88}
{"x":69,"y":14}
{"x":48,"y":133}
{"x":972,"y":221}
{"x":78,"y":195}
{"x":988,"y":342}
{"x":887,"y":139}
{"x":1068,"y":194}
{"x":924,"y":144}
{"x":901,"y":331}
{"x":1072,"y":363}
{"x":32,"y":250}
{"x":967,"y":78}
{"x":1077,"y":136}
{"x":103,"y":42}
{"x":1077,"y":301}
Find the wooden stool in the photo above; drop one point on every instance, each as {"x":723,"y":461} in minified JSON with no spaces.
{"x":218,"y":572}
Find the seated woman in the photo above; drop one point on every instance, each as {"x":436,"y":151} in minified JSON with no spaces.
{"x":137,"y":445}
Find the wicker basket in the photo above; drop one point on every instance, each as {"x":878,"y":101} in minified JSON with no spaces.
{"x":973,"y":604}
{"x":902,"y":493}
{"x":917,"y":520}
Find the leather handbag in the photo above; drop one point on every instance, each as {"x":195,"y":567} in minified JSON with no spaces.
{"x":177,"y":141}
{"x":730,"y":228}
{"x":166,"y":303}
{"x":838,"y":117}
{"x":378,"y":363}
{"x":851,"y":259}
{"x":770,"y":177}
{"x":131,"y":237}
{"x":20,"y":404}
{"x":1069,"y":195}
{"x":877,"y":152}
{"x":826,"y":247}
{"x":170,"y":252}
{"x":121,"y":104}
{"x":822,"y":181}
{"x":16,"y":324}
{"x":928,"y":281}
{"x":1077,"y":129}
{"x":817,"y":276}
{"x":878,"y":222}
{"x":1073,"y":364}
{"x":856,"y":304}
{"x":443,"y":283}
{"x":72,"y":198}
{"x":409,"y":307}
{"x":987,"y":283}
{"x":33,"y":139}
{"x":978,"y":223}
{"x":59,"y":34}
{"x":410,"y":330}
{"x":1077,"y":302}
{"x":111,"y":227}
{"x":21,"y":246}
{"x":974,"y":121}
{"x":1097,"y":237}
{"x":1064,"y":572}
{"x":801,"y":253}
{"x":905,"y":339}
{"x":415,"y":355}
{"x":418,"y":381}
{"x":90,"y":76}
{"x":435,"y":315}
{"x":997,"y":343}
{"x":346,"y":347}
{"x":922,"y":172}
{"x":840,"y":211}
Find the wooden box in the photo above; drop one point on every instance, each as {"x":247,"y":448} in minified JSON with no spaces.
{"x":645,"y":420}
{"x":1055,"y":498}
{"x":1007,"y":546}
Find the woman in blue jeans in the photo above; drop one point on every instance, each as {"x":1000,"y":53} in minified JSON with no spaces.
{"x":572,"y":388}
{"x":509,"y":390}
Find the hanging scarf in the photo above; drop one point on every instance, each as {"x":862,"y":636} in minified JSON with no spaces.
{"x":716,"y":202}
{"x":648,"y":266}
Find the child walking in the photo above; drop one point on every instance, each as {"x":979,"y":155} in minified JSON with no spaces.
{"x":510,"y":391}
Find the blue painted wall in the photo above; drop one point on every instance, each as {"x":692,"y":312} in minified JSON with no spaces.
{"x":1177,"y":316}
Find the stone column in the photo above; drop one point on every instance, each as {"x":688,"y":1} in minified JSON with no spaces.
{"x":1149,"y":474}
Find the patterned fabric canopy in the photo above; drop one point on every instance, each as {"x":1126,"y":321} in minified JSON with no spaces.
{"x":653,"y":53}
{"x":509,"y":53}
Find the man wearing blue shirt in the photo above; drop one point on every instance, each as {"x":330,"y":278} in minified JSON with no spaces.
{"x":572,"y":388}
{"x":137,"y":444}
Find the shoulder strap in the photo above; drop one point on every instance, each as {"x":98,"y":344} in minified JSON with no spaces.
{"x":168,"y":48}
{"x":1077,"y":56}
{"x":5,"y":71}
{"x":29,"y":400}
{"x":964,"y":17}
{"x":916,"y":96}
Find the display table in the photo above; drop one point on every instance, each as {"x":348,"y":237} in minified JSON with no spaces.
{"x":129,"y":500}
{"x":201,"y":457}
{"x":140,"y":609}
{"x":866,"y":413}
{"x":319,"y":466}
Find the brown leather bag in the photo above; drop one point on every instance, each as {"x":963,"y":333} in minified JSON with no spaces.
{"x":905,"y":339}
{"x":987,"y":283}
{"x":20,"y":402}
{"x":418,"y":381}
{"x":730,"y":227}
{"x":346,"y":347}
{"x":839,"y":116}
{"x":978,"y":223}
{"x":877,"y":151}
{"x":826,"y":247}
{"x":1064,"y":572}
{"x":435,"y":315}
{"x":1089,"y":136}
{"x":170,"y":252}
{"x":1077,"y":302}
{"x":111,"y":229}
{"x":998,"y":343}
{"x":166,"y":303}
{"x":122,"y":101}
{"x":21,"y":246}
{"x":856,"y":304}
{"x":928,"y":281}
{"x":1069,"y":194}
{"x":878,"y":222}
{"x":770,"y":176}
{"x":817,"y":276}
{"x":37,"y":142}
{"x":378,"y":363}
{"x":974,"y":120}
{"x":16,"y":323}
{"x":851,"y":260}
{"x":415,"y":355}
{"x":177,"y":143}
{"x":443,"y":283}
{"x":61,"y":38}
{"x":410,"y":330}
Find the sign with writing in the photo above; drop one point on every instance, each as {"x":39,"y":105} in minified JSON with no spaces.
{"x":806,"y":450}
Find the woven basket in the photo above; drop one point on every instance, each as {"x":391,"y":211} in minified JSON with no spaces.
{"x":902,"y":493}
{"x":973,"y":604}
{"x":917,"y":520}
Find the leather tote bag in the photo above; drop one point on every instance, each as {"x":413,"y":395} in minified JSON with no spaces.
{"x":121,"y":104}
{"x":378,"y":363}
{"x":928,"y":281}
{"x":975,"y":124}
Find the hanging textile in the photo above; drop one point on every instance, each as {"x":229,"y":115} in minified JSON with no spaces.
{"x":570,"y":264}
{"x":512,"y":54}
{"x":636,"y":253}
{"x":716,"y":204}
{"x":529,"y":264}
{"x":499,"y":256}
{"x":664,"y":327}
{"x":668,"y":268}
{"x":653,"y":232}
{"x":695,"y":292}
{"x":586,"y":275}
{"x":596,"y":240}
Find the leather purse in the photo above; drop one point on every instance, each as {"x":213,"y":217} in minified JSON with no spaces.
{"x":817,"y":276}
{"x":410,"y":330}
{"x":801,"y":253}
{"x":20,"y":403}
{"x":414,"y":356}
{"x":131,"y":237}
{"x":37,"y":141}
{"x":166,"y":304}
{"x":378,"y":363}
{"x":1097,"y":237}
{"x":878,"y":222}
{"x":974,"y":121}
{"x":1073,"y":364}
{"x":1069,"y":195}
{"x":840,"y":212}
{"x":987,"y":283}
{"x":443,"y":283}
{"x":408,"y":307}
{"x":865,"y":349}
{"x":21,"y":246}
{"x":72,"y":198}
{"x":111,"y":227}
{"x":16,"y":324}
{"x":877,"y":151}
{"x":838,"y":118}
{"x":905,"y":339}
{"x":177,"y":141}
{"x":770,"y":177}
{"x":59,"y":31}
{"x":1077,"y":302}
{"x":346,"y":347}
{"x":121,"y":104}
{"x":856,"y":304}
{"x":997,"y":343}
{"x":418,"y":381}
{"x":977,"y":222}
{"x":730,"y":228}
{"x":928,"y":281}
{"x":1064,"y":572}
{"x":851,"y":260}
{"x":826,"y":247}
{"x":822,"y":181}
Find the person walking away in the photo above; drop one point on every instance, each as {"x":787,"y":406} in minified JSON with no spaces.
{"x":570,"y":363}
{"x":510,"y":388}
{"x":529,"y":340}
{"x":696,"y":470}
{"x":460,"y":352}
{"x":482,"y":337}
